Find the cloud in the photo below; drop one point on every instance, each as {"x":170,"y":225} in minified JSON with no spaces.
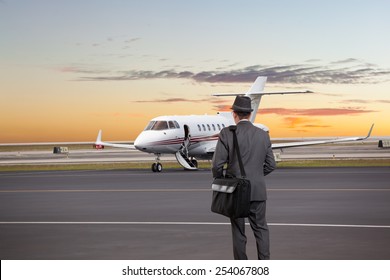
{"x":316,"y":126}
{"x":301,"y":124}
{"x":218,"y":104}
{"x":315,"y":111}
{"x":132,"y":40}
{"x":293,"y":122}
{"x":348,"y":71}
{"x":118,"y":115}
{"x":223,"y":107}
{"x":172,"y":100}
{"x":364,"y":101}
{"x":344,"y":61}
{"x":304,"y":112}
{"x":80,"y":70}
{"x":129,"y":43}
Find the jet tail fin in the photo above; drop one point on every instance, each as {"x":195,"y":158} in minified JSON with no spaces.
{"x":256,"y":92}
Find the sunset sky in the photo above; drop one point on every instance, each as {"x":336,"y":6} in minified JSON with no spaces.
{"x":70,"y":68}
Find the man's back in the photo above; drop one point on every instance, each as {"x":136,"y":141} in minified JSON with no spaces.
{"x":256,"y":154}
{"x":258,"y":161}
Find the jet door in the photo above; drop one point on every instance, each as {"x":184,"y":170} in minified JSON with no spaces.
{"x":186,"y":136}
{"x":182,"y":154}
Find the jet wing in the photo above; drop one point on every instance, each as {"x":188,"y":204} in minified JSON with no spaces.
{"x":99,"y":144}
{"x":308,"y":143}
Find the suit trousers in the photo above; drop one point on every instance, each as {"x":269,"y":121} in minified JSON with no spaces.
{"x":259,"y":226}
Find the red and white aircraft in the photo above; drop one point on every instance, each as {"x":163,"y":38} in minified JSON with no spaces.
{"x":195,"y":136}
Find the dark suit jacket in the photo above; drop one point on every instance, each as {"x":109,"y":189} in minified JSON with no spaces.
{"x":256,"y":154}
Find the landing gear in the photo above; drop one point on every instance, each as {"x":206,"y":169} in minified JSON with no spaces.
{"x":157,"y":166}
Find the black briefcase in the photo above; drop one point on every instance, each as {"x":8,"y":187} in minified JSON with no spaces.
{"x":232,"y":196}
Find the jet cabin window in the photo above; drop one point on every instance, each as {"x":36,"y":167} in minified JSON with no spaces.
{"x":162,"y":125}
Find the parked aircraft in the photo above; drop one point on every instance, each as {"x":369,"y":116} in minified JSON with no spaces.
{"x":194,"y":137}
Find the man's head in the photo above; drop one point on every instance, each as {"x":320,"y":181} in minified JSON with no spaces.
{"x":241,"y":108}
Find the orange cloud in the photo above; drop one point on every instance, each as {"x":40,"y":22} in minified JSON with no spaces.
{"x":364,"y":101}
{"x":305,"y":112}
{"x":303,"y":123}
{"x":223,"y":108}
{"x":118,"y":115}
{"x":316,"y":111}
{"x":293,"y":122}
{"x":172,"y":100}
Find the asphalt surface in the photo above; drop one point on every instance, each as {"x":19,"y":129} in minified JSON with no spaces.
{"x":320,"y":213}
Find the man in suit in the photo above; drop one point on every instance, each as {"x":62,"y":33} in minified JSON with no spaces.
{"x":258,"y":161}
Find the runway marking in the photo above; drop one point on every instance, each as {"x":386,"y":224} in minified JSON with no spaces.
{"x":143,"y":172}
{"x":189,"y":223}
{"x":186,"y":190}
{"x":108,"y":190}
{"x":325,"y":190}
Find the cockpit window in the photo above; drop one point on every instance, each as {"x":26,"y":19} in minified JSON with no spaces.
{"x":162,"y":125}
{"x":171,"y":125}
{"x":150,"y":125}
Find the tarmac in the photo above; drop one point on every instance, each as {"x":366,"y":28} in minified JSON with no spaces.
{"x":313,"y":213}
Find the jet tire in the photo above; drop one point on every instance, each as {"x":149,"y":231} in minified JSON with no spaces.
{"x":159,"y":167}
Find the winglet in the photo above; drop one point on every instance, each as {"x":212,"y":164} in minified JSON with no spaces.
{"x":369,"y":133}
{"x":99,"y":137}
{"x":99,"y":145}
{"x":308,"y":143}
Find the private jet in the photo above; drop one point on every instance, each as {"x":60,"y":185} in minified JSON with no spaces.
{"x":193,"y":137}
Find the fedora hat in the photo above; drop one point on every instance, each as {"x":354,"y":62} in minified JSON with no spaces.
{"x":242,"y":104}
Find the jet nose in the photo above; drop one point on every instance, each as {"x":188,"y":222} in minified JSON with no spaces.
{"x":139,"y":143}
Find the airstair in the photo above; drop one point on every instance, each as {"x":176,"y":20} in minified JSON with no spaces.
{"x":184,"y":161}
{"x":182,"y":154}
